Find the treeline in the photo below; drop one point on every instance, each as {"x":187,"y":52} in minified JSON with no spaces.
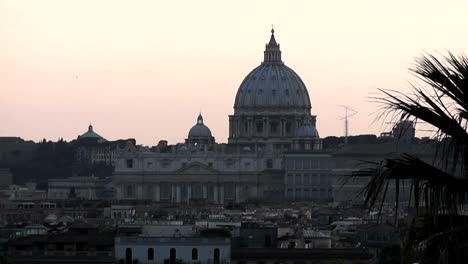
{"x":55,"y":160}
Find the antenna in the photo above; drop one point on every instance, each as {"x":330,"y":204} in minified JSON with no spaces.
{"x":349,"y":112}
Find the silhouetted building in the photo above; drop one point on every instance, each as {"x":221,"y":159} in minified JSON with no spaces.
{"x":92,"y":148}
{"x":272,"y":115}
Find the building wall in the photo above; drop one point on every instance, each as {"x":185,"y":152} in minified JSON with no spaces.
{"x":308,"y":176}
{"x":163,"y":246}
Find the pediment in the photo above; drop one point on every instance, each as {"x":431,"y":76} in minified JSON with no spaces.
{"x":197,"y":168}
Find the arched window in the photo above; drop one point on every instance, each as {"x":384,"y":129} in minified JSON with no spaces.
{"x":150,"y":253}
{"x":216,"y":255}
{"x":194,"y":254}
{"x":172,"y":256}
{"x":128,"y":256}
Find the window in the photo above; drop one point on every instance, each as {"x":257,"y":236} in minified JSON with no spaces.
{"x":298,"y":193}
{"x":289,"y":179}
{"x":172,"y":256}
{"x":216,"y":255}
{"x":259,"y":126}
{"x":314,"y":164}
{"x":210,"y":164}
{"x":298,"y":180}
{"x":306,"y":179}
{"x":128,"y":256}
{"x":129,"y":163}
{"x":149,"y":165}
{"x":165,"y":163}
{"x":269,"y":163}
{"x":273,"y":127}
{"x":286,"y":92}
{"x":150,"y":253}
{"x":288,"y":127}
{"x":194,"y":254}
{"x":298,"y":164}
{"x":229,"y":163}
{"x":267,"y":241}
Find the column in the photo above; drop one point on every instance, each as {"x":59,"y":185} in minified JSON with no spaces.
{"x":157,"y":193}
{"x":205,"y":192}
{"x":237,"y":193}
{"x":172,"y":193}
{"x":282,"y":127}
{"x":178,"y":193}
{"x":139,"y":193}
{"x":189,"y":193}
{"x":221,"y":194}
{"x":215,"y":194}
{"x":118,"y":192}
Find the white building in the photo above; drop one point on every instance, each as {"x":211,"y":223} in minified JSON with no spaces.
{"x":168,"y":244}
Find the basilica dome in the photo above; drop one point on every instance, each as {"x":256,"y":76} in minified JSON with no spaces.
{"x":272,"y":85}
{"x":200,"y":130}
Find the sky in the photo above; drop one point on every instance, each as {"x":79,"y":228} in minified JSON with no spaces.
{"x":145,"y":69}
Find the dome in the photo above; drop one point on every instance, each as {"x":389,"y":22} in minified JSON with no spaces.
{"x":307,"y":130}
{"x":91,"y":134}
{"x":272,"y":85}
{"x":200,"y":130}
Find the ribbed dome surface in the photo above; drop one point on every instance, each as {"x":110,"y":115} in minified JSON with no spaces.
{"x":272,"y":86}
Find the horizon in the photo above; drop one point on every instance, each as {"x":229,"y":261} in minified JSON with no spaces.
{"x":145,"y":70}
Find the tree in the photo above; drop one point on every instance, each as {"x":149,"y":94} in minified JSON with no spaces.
{"x":439,"y":190}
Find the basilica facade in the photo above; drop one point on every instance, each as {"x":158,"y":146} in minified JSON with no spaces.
{"x":273,"y":153}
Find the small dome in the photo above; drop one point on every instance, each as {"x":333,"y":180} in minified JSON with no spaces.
{"x":307,"y":130}
{"x":200,"y":130}
{"x":91,"y":134}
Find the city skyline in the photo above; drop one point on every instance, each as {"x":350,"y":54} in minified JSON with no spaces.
{"x":138,"y":71}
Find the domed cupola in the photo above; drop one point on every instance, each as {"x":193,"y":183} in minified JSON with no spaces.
{"x":272,"y":102}
{"x":200,"y":133}
{"x":307,"y":137}
{"x":272,"y":86}
{"x":307,"y":130}
{"x":91,"y":136}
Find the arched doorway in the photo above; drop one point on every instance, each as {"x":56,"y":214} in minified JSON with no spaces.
{"x":128,"y":256}
{"x":172,"y":256}
{"x":216,"y":255}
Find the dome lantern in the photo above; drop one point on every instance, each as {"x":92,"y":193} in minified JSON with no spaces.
{"x":272,"y":53}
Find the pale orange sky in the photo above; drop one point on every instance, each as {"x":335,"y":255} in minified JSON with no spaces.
{"x":144,"y":69}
